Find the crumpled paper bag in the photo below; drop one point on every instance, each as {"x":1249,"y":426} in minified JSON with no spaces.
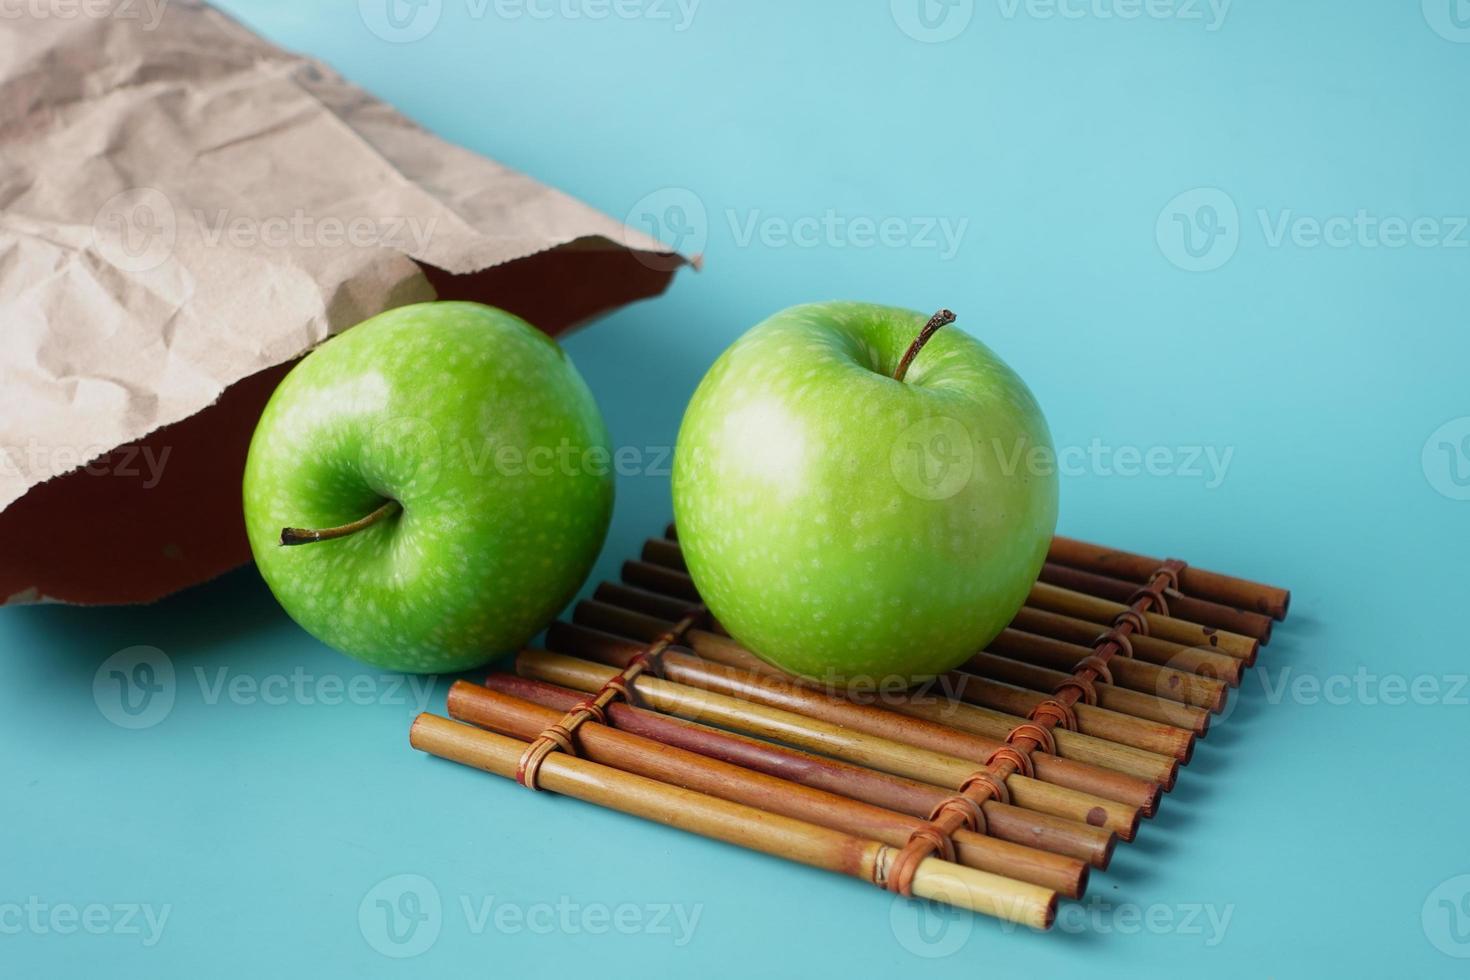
{"x":186,"y":209}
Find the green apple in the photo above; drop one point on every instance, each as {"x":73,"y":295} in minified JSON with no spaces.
{"x":442,"y":469}
{"x":855,"y":521}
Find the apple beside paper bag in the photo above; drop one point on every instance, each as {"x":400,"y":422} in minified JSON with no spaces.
{"x":158,"y":282}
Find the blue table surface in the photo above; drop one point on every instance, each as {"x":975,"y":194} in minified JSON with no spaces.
{"x":1234,"y":233}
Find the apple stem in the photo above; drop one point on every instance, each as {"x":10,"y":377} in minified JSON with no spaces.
{"x":941,"y":319}
{"x":301,"y":535}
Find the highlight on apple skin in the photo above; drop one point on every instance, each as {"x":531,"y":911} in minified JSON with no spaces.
{"x":853,"y":527}
{"x":422,"y":491}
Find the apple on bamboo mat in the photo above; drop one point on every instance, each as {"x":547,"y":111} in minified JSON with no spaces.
{"x":765,"y":675}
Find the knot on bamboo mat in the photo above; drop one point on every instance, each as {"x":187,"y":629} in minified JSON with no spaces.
{"x":560,"y":737}
{"x":1118,"y":636}
{"x":1052,"y":713}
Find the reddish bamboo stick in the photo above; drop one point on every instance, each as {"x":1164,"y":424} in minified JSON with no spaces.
{"x":1201,"y":611}
{"x":1145,"y":763}
{"x":524,"y":720}
{"x":1104,"y":611}
{"x":1225,"y":589}
{"x":1005,"y":822}
{"x":1149,"y":649}
{"x":835,"y":740}
{"x":735,"y":823}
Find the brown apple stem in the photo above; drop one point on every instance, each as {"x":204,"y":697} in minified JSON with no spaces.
{"x":941,"y":319}
{"x":302,"y":535}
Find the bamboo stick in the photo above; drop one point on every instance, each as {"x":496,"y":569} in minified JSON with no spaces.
{"x":647,"y":575}
{"x":735,"y":823}
{"x":1104,"y":611}
{"x":1150,"y":649}
{"x":1123,"y":716}
{"x":1164,"y":682}
{"x":521,"y":719}
{"x":1120,"y":699}
{"x":1005,"y":822}
{"x":662,"y":551}
{"x":790,"y":695}
{"x":831,"y":739}
{"x":1225,"y":589}
{"x":1119,"y":756}
{"x":643,"y":600}
{"x":1196,"y":610}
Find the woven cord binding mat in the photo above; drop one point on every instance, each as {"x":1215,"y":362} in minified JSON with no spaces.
{"x":995,"y":788}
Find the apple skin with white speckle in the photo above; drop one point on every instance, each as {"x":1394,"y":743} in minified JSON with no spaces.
{"x":480,"y":429}
{"x":853,"y":528}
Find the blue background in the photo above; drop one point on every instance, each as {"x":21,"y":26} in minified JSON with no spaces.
{"x":1320,"y":825}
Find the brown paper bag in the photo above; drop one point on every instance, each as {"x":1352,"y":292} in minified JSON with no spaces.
{"x":185,"y":209}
